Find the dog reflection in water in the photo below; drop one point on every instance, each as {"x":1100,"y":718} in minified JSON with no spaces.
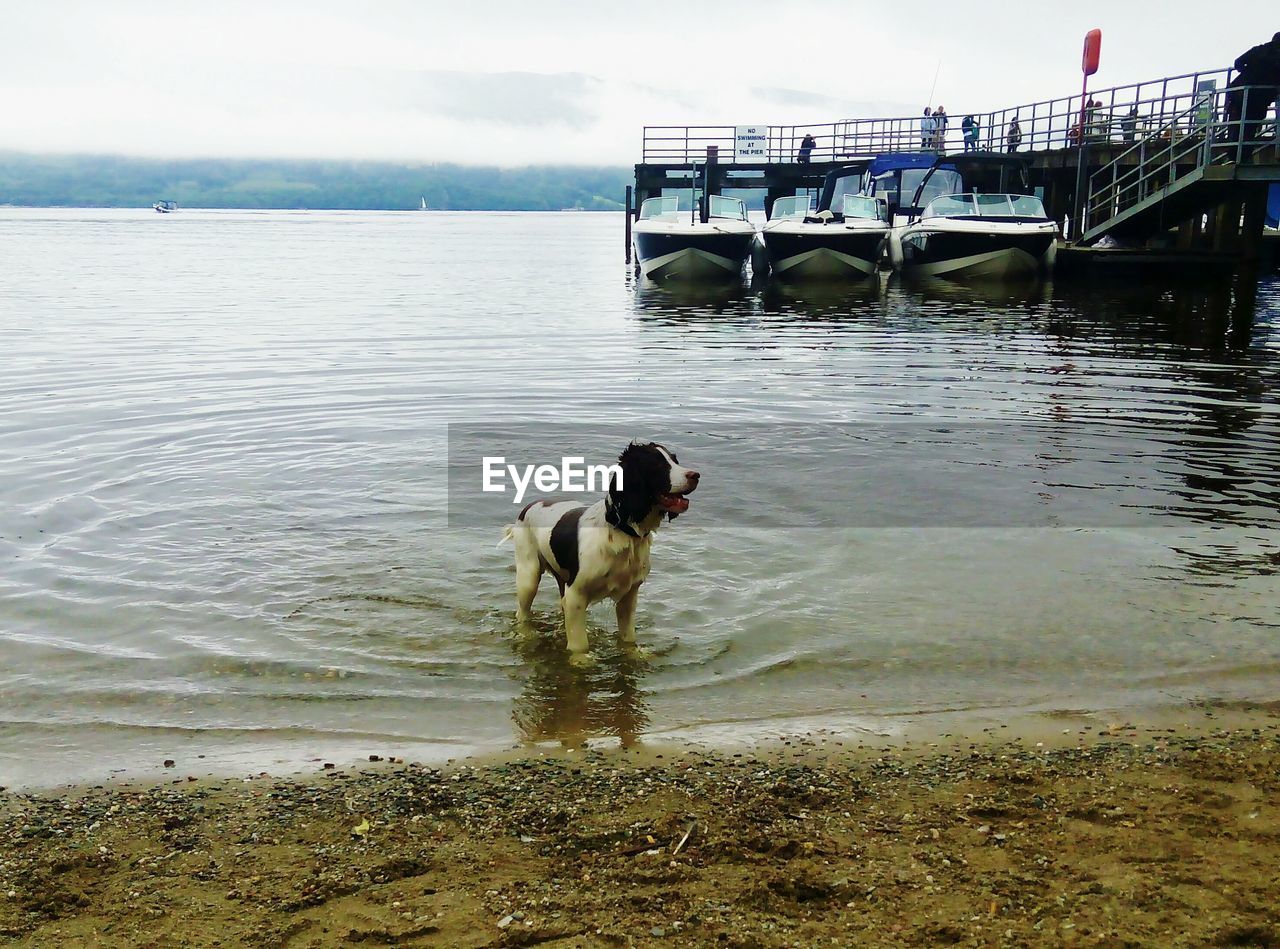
{"x":563,"y":703}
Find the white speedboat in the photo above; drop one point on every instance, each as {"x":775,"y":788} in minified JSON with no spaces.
{"x":676,"y":243}
{"x":978,"y":234}
{"x":165,"y":207}
{"x":844,"y":239}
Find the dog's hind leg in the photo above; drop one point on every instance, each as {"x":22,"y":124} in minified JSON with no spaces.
{"x":527,"y":580}
{"x":528,"y":575}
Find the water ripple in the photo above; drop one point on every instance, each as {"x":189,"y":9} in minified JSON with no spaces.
{"x":223,"y":440}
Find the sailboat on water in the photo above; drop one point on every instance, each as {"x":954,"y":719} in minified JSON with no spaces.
{"x":424,"y":203}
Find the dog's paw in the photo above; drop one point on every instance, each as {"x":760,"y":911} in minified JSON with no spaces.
{"x":636,"y":653}
{"x":582,"y":660}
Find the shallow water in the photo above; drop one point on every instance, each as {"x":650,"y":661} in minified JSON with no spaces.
{"x":228,"y":528}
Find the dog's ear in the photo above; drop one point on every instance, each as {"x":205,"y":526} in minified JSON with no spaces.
{"x":638,"y":493}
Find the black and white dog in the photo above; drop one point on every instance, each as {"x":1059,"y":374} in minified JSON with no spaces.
{"x":601,"y":551}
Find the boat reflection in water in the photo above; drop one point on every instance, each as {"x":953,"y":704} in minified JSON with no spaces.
{"x":712,"y":296}
{"x":1010,"y":291}
{"x":823,"y":296}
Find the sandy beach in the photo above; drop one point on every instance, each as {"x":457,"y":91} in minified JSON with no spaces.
{"x":1165,"y":832}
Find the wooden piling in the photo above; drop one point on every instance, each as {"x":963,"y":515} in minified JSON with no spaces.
{"x":710,"y":174}
{"x":1255,"y":216}
{"x":626,"y":210}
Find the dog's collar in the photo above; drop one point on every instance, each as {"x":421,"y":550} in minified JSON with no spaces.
{"x":613,"y":518}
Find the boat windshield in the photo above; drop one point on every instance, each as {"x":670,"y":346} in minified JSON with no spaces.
{"x":985,"y":205}
{"x":732,"y":208}
{"x":656,"y":209}
{"x":863,"y":206}
{"x":845,"y":184}
{"x":942,"y":181}
{"x":1024,"y":205}
{"x":791,"y":207}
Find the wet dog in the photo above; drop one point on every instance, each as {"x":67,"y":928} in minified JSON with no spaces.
{"x":600,"y":551}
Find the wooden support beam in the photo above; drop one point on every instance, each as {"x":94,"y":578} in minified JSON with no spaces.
{"x":1225,"y":225}
{"x":1255,"y":217}
{"x":627,"y":215}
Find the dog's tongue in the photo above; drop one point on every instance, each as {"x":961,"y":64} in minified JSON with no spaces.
{"x":674,"y":503}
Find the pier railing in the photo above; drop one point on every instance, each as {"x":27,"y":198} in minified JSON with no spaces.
{"x":1124,"y":114}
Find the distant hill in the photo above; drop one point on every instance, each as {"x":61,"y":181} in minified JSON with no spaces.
{"x":115,"y":181}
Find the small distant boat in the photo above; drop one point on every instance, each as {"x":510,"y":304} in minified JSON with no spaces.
{"x":165,"y":207}
{"x":424,"y":203}
{"x":671,"y":242}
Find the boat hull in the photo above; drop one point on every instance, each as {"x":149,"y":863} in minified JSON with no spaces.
{"x":996,"y":252}
{"x":824,"y":251}
{"x":693,"y":251}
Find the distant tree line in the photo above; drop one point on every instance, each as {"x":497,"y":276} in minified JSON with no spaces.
{"x":117,"y":181}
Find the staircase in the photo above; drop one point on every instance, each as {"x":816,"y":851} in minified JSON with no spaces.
{"x":1184,"y":168}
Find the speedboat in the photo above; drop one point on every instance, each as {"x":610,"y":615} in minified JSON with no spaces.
{"x":710,"y":241}
{"x":968,"y":232}
{"x":165,"y":207}
{"x":844,"y":239}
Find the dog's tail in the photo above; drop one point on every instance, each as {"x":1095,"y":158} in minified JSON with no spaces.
{"x":508,"y":533}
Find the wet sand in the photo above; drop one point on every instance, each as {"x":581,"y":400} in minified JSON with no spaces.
{"x":1165,"y":832}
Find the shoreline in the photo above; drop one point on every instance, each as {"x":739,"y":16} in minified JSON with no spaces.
{"x":1141,"y":830}
{"x":301,"y":758}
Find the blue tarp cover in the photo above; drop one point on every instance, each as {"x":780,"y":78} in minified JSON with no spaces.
{"x":892,"y":162}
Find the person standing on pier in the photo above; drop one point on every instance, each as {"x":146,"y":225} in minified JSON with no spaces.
{"x":807,"y":145}
{"x":969,"y":125}
{"x":940,"y":129}
{"x":927,"y":127}
{"x":1014,"y":137}
{"x":1259,"y":69}
{"x":1129,"y":125}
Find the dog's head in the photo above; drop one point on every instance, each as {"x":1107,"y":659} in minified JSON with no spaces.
{"x":653,"y":482}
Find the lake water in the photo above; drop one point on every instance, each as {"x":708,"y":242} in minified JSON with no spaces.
{"x":228,"y":529}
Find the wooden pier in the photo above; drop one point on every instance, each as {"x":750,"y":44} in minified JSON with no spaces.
{"x":1164,"y":173}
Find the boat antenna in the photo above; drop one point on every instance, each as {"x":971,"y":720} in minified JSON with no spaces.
{"x":934,"y":87}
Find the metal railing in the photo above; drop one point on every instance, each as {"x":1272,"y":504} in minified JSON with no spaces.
{"x":682,"y":144}
{"x":1217,"y":128}
{"x":1122,"y":116}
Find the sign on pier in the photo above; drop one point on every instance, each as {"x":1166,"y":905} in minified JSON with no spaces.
{"x":750,"y":143}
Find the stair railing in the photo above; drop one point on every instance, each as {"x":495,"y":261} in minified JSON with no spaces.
{"x":1215,"y":129}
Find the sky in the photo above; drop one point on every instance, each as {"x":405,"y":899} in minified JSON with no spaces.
{"x":549,"y":81}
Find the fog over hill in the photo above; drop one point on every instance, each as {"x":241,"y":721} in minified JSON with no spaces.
{"x":116,"y":181}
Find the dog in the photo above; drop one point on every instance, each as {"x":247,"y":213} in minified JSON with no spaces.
{"x":600,"y":551}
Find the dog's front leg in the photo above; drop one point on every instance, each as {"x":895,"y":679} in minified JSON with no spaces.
{"x":575,"y":627}
{"x":626,"y":610}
